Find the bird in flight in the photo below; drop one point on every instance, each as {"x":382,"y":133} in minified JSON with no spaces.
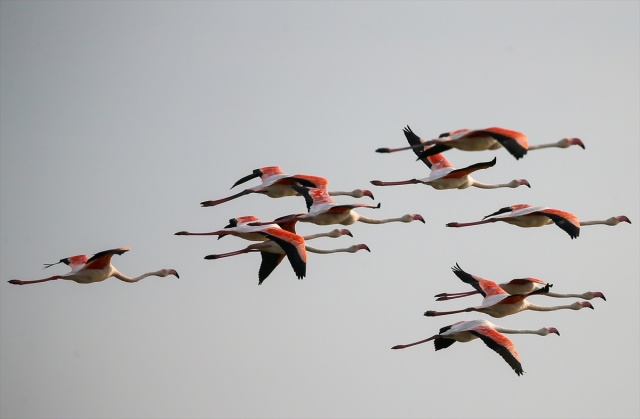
{"x":86,"y":270}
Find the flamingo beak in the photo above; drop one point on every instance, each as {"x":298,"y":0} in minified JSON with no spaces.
{"x":256,"y":173}
{"x":525,"y":182}
{"x":173,"y":272}
{"x":418,"y":217}
{"x":578,"y":142}
{"x":554,"y":330}
{"x":599,"y":295}
{"x":368,"y":193}
{"x":587,"y":304}
{"x":623,"y":218}
{"x":363,"y":247}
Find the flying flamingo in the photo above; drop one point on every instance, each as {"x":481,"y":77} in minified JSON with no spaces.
{"x":444,"y":176}
{"x":277,"y":184}
{"x":515,"y":286}
{"x":246,"y":227}
{"x":522,"y":286}
{"x":498,"y":303}
{"x":323,"y":210}
{"x":492,"y":138}
{"x":272,"y":254}
{"x":489,"y":333}
{"x":85,"y":270}
{"x":525,"y":215}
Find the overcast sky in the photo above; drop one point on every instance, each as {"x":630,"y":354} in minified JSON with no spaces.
{"x":118,"y":118}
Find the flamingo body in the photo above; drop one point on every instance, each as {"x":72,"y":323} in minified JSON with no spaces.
{"x":491,"y":334}
{"x":85,"y":270}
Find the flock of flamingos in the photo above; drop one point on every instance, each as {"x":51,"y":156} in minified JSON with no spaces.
{"x":278,"y":239}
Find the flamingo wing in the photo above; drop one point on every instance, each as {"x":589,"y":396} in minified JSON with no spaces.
{"x":501,"y":344}
{"x":293,"y":246}
{"x":565,"y":220}
{"x":459,"y":173}
{"x":414,"y":140}
{"x":103,"y":259}
{"x":515,"y":142}
{"x":483,"y":286}
{"x":269,"y":262}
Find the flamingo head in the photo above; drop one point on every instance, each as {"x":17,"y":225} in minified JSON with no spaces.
{"x":166,"y":272}
{"x":359,"y":193}
{"x":568,"y":142}
{"x":519,"y":182}
{"x":361,"y":247}
{"x":407,"y":218}
{"x":581,"y":304}
{"x":551,"y":330}
{"x":621,"y":219}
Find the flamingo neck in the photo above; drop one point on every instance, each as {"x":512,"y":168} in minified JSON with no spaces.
{"x":123,"y":277}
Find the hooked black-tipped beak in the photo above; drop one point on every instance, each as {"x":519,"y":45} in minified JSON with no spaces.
{"x":256,"y":173}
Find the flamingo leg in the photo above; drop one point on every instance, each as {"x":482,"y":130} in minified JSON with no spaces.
{"x":20,"y":282}
{"x":453,"y":296}
{"x":432,"y":313}
{"x":490,"y":220}
{"x":237,"y":252}
{"x":220,"y":201}
{"x":402,"y":182}
{"x":415,"y":343}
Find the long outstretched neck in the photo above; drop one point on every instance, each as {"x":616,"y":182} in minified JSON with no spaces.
{"x":452,"y":296}
{"x":407,"y":218}
{"x":541,"y":332}
{"x":575,"y":306}
{"x":513,"y":184}
{"x":401,"y":182}
{"x":229,"y":198}
{"x":415,"y":343}
{"x":333,"y":233}
{"x":350,"y":249}
{"x":474,"y":223}
{"x":123,"y":277}
{"x":20,"y":282}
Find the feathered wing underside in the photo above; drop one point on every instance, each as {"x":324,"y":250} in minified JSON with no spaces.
{"x":269,"y":262}
{"x":414,"y":140}
{"x":502,"y":345}
{"x":483,"y":286}
{"x":515,"y":142}
{"x":458,"y":173}
{"x":565,"y":220}
{"x":295,"y":251}
{"x":103,"y":259}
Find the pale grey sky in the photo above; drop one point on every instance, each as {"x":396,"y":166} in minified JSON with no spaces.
{"x":118,"y":118}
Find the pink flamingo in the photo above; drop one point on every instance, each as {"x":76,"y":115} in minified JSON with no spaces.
{"x":278,"y":184}
{"x":525,"y":215}
{"x":444,"y":176}
{"x":498,"y":303}
{"x":323,"y":210}
{"x":489,"y":333}
{"x":492,"y":138}
{"x":291,"y":244}
{"x":519,"y":286}
{"x":85,"y":270}
{"x":272,"y":254}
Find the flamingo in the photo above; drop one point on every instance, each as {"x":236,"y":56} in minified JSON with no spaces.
{"x":249,"y":228}
{"x":277,"y":184}
{"x":272,"y":254}
{"x":498,"y":303}
{"x":444,"y":176}
{"x":514,"y":286}
{"x":525,"y":215}
{"x":85,"y":270}
{"x":323,"y":210}
{"x":489,"y":333}
{"x":492,"y":138}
